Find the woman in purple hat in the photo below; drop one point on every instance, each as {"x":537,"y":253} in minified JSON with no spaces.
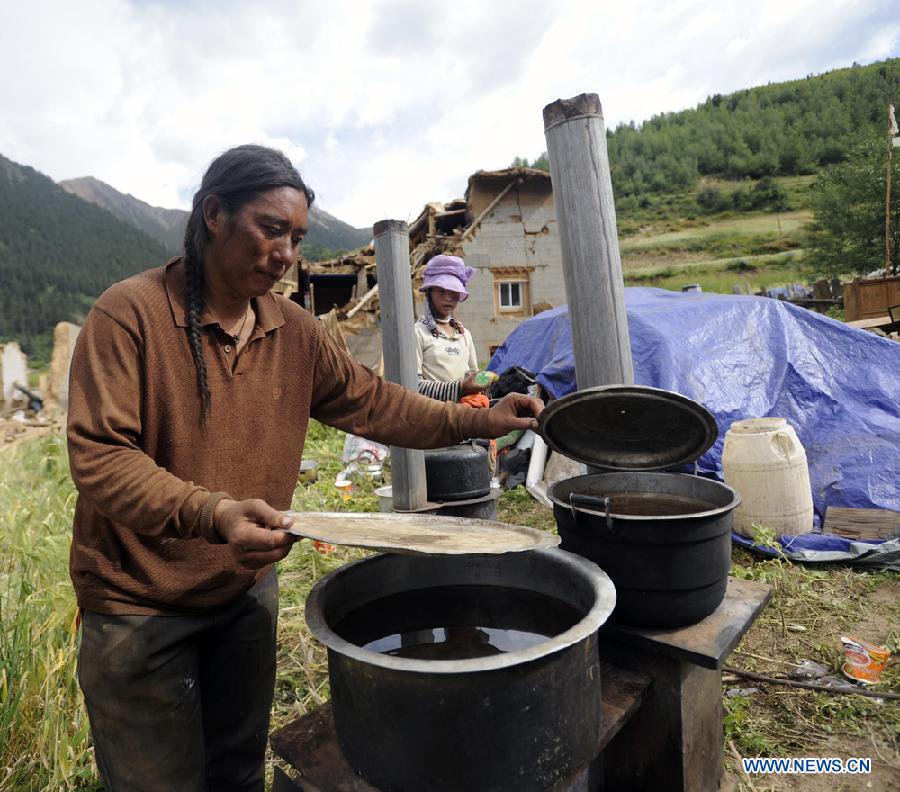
{"x":446,"y":352}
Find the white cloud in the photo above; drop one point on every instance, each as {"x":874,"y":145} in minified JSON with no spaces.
{"x":383,"y":105}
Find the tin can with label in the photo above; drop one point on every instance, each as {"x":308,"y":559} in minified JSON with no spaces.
{"x":863,"y":662}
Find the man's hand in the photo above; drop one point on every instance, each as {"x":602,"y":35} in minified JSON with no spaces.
{"x":513,"y":411}
{"x":249,"y":529}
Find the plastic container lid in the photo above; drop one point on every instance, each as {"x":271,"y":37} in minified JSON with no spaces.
{"x":758,"y":425}
{"x":628,"y":427}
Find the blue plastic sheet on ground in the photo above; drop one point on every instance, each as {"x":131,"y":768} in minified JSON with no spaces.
{"x":749,"y":357}
{"x":823,"y":548}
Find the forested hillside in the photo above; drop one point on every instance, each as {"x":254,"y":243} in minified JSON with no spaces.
{"x":786,"y":129}
{"x":57,"y":254}
{"x":723,"y":193}
{"x":61,"y":246}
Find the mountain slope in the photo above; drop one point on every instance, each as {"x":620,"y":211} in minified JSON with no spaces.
{"x":164,"y":225}
{"x":333,"y":234}
{"x":784,"y":129}
{"x":326,"y":232}
{"x":792,"y":128}
{"x":57,"y":254}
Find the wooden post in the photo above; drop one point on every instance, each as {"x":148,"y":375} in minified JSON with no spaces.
{"x":362,"y":285}
{"x":887,"y":203}
{"x":592,"y":267}
{"x":399,"y":351}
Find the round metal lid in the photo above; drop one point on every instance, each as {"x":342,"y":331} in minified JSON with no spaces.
{"x":628,"y":427}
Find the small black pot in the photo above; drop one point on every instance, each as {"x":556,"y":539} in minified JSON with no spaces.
{"x":460,"y":472}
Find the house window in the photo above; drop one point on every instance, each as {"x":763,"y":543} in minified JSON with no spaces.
{"x":512,"y":296}
{"x":512,"y":292}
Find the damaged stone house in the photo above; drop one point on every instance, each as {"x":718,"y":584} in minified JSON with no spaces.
{"x":505,"y":229}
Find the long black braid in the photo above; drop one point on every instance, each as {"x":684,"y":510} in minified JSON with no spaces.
{"x":236,"y":177}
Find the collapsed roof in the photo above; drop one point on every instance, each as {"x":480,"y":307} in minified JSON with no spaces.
{"x":439,"y":228}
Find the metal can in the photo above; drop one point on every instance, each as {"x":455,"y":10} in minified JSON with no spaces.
{"x":863,"y":662}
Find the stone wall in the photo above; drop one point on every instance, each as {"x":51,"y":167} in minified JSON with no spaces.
{"x":64,"y":337}
{"x":13,"y":370}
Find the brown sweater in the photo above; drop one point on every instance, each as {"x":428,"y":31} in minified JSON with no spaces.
{"x":148,"y":475}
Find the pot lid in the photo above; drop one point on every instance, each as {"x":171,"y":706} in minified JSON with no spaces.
{"x":628,"y":427}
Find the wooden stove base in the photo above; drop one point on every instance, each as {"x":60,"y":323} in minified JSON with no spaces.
{"x":308,"y":745}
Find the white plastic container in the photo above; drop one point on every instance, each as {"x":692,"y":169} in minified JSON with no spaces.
{"x":765,"y":462}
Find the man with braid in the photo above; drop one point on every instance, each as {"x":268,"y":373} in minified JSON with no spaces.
{"x":192,"y":387}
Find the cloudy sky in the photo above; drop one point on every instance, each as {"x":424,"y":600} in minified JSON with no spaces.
{"x":382,"y":105}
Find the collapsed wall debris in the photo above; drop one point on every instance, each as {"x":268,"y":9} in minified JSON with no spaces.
{"x":56,"y":391}
{"x":505,"y":227}
{"x":13,"y":372}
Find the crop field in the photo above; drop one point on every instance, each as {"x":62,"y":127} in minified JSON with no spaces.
{"x":44,"y":736}
{"x":768,"y":224}
{"x":670,"y":242}
{"x":751,"y":273}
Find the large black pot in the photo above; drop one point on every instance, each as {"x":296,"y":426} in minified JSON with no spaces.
{"x":519,"y":720}
{"x":663,"y":538}
{"x":460,"y":472}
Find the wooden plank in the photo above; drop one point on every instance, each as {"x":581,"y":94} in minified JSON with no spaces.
{"x":477,"y":221}
{"x":363,"y":301}
{"x":862,"y":523}
{"x":622,"y":693}
{"x":309,"y":744}
{"x":398,"y":344}
{"x":867,"y":324}
{"x":282,"y":782}
{"x":674,"y":741}
{"x":592,"y":265}
{"x":867,"y":299}
{"x":362,"y":283}
{"x":709,"y":642}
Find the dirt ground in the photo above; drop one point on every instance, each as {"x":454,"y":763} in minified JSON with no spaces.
{"x":810,"y":612}
{"x":14,"y":432}
{"x":885,"y":775}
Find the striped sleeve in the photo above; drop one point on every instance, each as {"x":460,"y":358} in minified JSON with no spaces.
{"x":442,"y":391}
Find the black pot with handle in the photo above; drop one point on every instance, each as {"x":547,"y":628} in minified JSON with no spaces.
{"x":663,"y":538}
{"x":460,"y":472}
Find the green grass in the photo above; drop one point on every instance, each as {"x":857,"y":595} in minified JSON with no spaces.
{"x":811,"y":608}
{"x":44,"y":738}
{"x":755,"y":226}
{"x":754,"y":272}
{"x":662,"y":212}
{"x":668,"y":241}
{"x":756,"y":251}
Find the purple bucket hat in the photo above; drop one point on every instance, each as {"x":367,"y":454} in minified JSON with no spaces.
{"x":448,"y":272}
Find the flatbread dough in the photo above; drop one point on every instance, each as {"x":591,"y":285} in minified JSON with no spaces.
{"x":418,"y":534}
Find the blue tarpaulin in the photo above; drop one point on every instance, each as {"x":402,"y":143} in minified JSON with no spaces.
{"x":750,"y":357}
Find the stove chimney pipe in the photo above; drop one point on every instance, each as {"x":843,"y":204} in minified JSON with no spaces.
{"x":592,"y":267}
{"x":398,"y":347}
